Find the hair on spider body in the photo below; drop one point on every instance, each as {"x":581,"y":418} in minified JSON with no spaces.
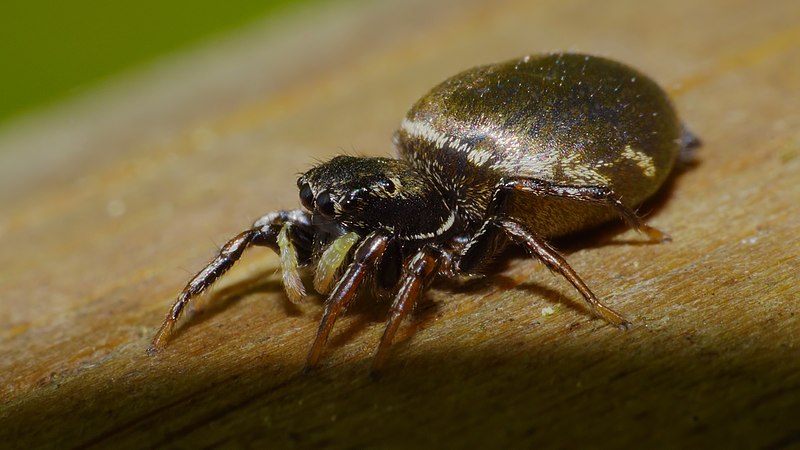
{"x":516,"y":152}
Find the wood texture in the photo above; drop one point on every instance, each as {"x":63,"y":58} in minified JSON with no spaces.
{"x":108,"y":205}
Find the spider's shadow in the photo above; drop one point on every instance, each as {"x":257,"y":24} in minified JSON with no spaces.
{"x":217,"y":300}
{"x":496,"y":279}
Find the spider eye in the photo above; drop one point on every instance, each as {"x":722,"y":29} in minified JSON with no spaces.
{"x":306,"y":196}
{"x":349,"y":202}
{"x":325,"y":204}
{"x":388,"y":185}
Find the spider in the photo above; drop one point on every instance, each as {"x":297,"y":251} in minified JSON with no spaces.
{"x":515,"y":152}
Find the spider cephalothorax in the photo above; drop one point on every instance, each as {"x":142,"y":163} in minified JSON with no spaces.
{"x":519,"y":151}
{"x":365,"y":194}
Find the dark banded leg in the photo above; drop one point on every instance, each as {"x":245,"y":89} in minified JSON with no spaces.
{"x":416,"y":273}
{"x":265,"y":232}
{"x":365,"y":259}
{"x":593,"y":194}
{"x":228,"y":255}
{"x":547,"y":254}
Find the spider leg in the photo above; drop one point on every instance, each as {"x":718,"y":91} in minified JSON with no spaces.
{"x":486,"y":241}
{"x":594,"y":194}
{"x":265,"y":232}
{"x":547,"y":254}
{"x":417,"y":271}
{"x":366,"y":256}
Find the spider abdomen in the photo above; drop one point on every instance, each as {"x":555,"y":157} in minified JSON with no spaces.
{"x":567,"y":119}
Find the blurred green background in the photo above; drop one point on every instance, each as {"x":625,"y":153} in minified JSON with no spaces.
{"x":50,"y":50}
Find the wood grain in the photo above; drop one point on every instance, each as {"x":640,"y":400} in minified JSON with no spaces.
{"x":110,"y":203}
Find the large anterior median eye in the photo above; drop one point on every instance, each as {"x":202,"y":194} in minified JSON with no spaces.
{"x":325,"y":204}
{"x":306,"y":196}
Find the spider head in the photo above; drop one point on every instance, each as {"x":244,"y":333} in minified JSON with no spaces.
{"x":365,"y":194}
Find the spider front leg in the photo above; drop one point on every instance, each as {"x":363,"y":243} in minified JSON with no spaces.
{"x":366,"y":257}
{"x":291,"y":227}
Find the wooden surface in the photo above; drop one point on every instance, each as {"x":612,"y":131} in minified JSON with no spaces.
{"x":109,"y":205}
